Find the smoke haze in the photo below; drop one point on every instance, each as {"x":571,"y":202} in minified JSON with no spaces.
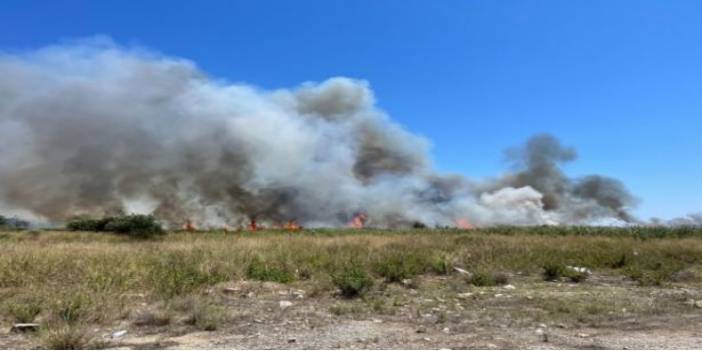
{"x":93,"y":128}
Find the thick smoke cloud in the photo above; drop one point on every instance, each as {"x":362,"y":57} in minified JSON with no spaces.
{"x":93,"y":128}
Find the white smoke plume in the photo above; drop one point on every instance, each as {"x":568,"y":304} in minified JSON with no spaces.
{"x":92,"y":128}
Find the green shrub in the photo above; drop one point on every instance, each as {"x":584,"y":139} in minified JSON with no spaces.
{"x":440,"y":265}
{"x":398,"y":265}
{"x":88,"y":224}
{"x":261,"y":270}
{"x":132,"y":225}
{"x":352,"y":280}
{"x":554,"y":271}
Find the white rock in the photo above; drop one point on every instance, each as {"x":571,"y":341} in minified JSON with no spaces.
{"x":285,"y":304}
{"x":509,"y":287}
{"x":24,"y":327}
{"x":461,"y":270}
{"x":118,"y":334}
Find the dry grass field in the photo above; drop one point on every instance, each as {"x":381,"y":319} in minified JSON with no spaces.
{"x":540,"y":287}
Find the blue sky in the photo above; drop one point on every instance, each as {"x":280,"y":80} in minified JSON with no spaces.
{"x":619,"y":80}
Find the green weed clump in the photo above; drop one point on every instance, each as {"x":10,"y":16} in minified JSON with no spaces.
{"x":181,"y":272}
{"x":352,"y":280}
{"x":481,"y":278}
{"x":66,"y":338}
{"x":23,"y":310}
{"x":206,"y":316}
{"x":398,"y":265}
{"x":259,"y":269}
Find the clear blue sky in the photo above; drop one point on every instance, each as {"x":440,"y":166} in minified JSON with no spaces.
{"x":619,"y":80}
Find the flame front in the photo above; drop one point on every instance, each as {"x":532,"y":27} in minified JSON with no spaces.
{"x":189,"y":226}
{"x":358,"y":221}
{"x":463,"y":223}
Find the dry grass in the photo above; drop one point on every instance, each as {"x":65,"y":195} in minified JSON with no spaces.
{"x":75,"y":278}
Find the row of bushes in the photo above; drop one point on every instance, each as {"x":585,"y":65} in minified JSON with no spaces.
{"x":132,"y":225}
{"x":13,"y":223}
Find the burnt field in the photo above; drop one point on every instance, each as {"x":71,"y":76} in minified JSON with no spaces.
{"x":505,"y":287}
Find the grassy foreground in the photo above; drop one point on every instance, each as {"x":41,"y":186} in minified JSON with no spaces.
{"x":71,"y":282}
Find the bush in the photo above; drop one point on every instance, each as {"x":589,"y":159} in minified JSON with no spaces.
{"x":554,"y":271}
{"x":352,"y":280}
{"x":397,"y":265}
{"x":13,"y":223}
{"x":88,"y":224}
{"x":132,"y":225}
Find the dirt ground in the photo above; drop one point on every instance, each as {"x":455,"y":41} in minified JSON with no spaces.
{"x":427,"y":313}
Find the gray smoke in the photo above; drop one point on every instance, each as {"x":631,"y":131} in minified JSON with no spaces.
{"x":92,"y":128}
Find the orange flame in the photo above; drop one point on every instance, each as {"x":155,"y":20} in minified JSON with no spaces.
{"x":189,"y":226}
{"x":358,"y":221}
{"x":463,"y":223}
{"x":292,"y":225}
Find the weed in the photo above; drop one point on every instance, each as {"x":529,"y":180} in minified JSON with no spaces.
{"x":480,"y":278}
{"x":261,"y":270}
{"x":66,"y":338}
{"x":352,"y":280}
{"x":23,"y":310}
{"x":206,"y":316}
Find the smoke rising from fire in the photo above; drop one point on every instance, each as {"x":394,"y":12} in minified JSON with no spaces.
{"x":94,"y":128}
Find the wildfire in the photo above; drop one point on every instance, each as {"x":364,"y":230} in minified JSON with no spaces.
{"x":292,"y":225}
{"x":463,"y":223}
{"x":358,"y":221}
{"x":189,"y":226}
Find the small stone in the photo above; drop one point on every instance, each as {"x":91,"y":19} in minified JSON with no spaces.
{"x":464,"y":295}
{"x":583,"y":335}
{"x":542,"y":325}
{"x":24,"y":327}
{"x":698,"y":303}
{"x":285,"y":304}
{"x":377,"y":321}
{"x":446,"y":330}
{"x":230,"y":290}
{"x":291,"y":340}
{"x":491,"y":346}
{"x":509,"y":287}
{"x":426,"y":339}
{"x":498,"y":295}
{"x":539,"y":331}
{"x":421,"y":330}
{"x":561,"y":325}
